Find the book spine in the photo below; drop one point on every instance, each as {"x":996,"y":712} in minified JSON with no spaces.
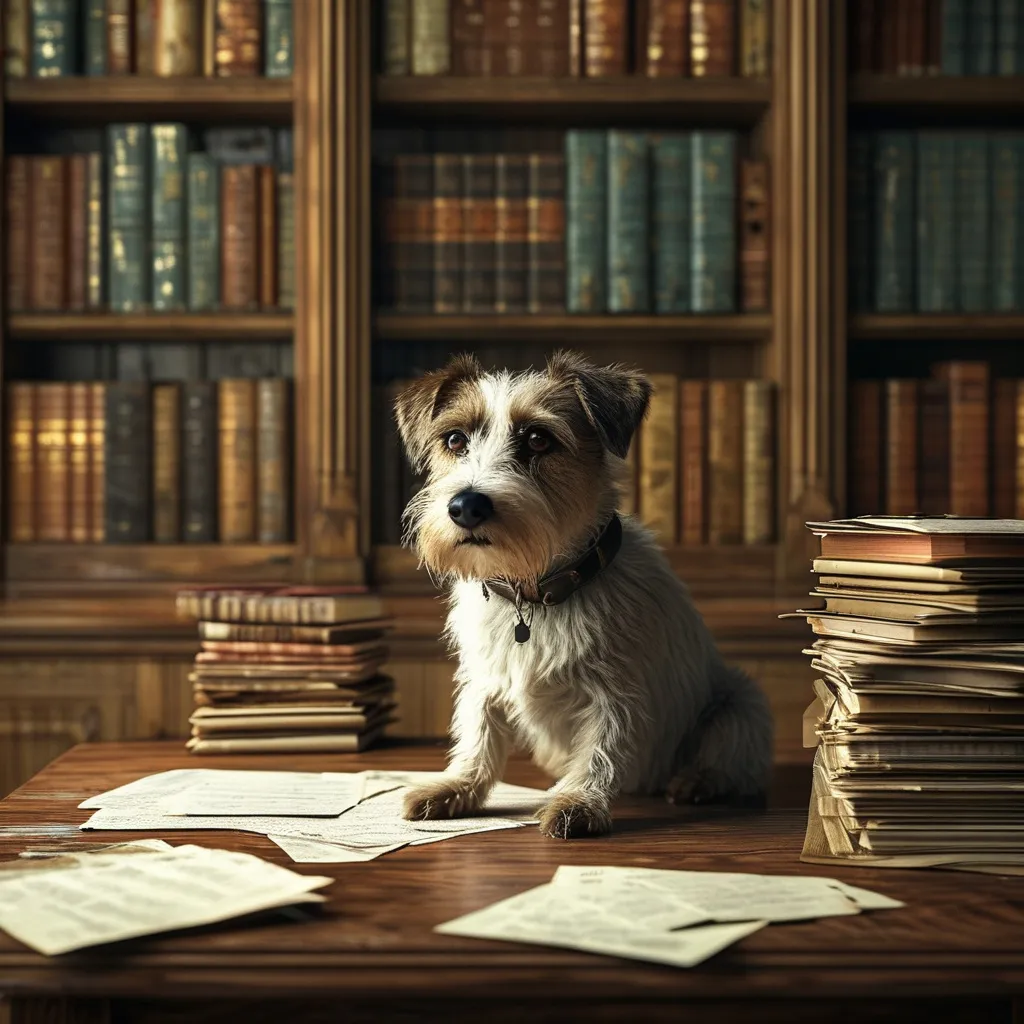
{"x":286,"y":240}
{"x":396,"y":37}
{"x":888,"y":38}
{"x":712,"y":38}
{"x":279,"y":55}
{"x":862,"y":35}
{"x":859,"y":219}
{"x":1007,"y":240}
{"x":865,"y":454}
{"x":239,"y":38}
{"x":628,"y":241}
{"x":53,"y":466}
{"x":973,"y":225}
{"x":203,"y":263}
{"x":167,"y":203}
{"x":755,"y":34}
{"x":546,"y":233}
{"x":478,"y":233}
{"x":659,"y":460}
{"x":918,"y":55}
{"x":236,"y":428}
{"x":409,"y":233}
{"x":447,"y":233}
{"x":1019,"y":514}
{"x":1004,"y":449}
{"x":78,"y":463}
{"x":666,"y":38}
{"x":693,"y":401}
{"x":469,"y":55}
{"x":894,"y":219}
{"x":18,"y":40}
{"x":127,"y":149}
{"x":1007,"y":36}
{"x":54,"y":38}
{"x":586,"y":158}
{"x":755,"y":235}
{"x":512,"y":246}
{"x":208,"y":34}
{"x":17,"y":223}
{"x":272,"y":461}
{"x":166,"y":463}
{"x":552,"y":38}
{"x":199,"y":463}
{"x":980,"y":42}
{"x":954,"y":37}
{"x":901,"y":469}
{"x":671,"y":166}
{"x":431,"y":42}
{"x":576,"y":62}
{"x":97,"y":462}
{"x":903,"y":32}
{"x":176,"y":38}
{"x":725,"y":461}
{"x":96,"y":38}
{"x":95,"y":268}
{"x":145,"y":14}
{"x":933,"y":437}
{"x":239,"y":272}
{"x":936,"y":269}
{"x":49,"y":217}
{"x":128,"y":462}
{"x":120,"y":32}
{"x":968,"y":437}
{"x":268,"y":241}
{"x":933,"y":45}
{"x":713,"y":219}
{"x":605,"y":30}
{"x":21,"y":458}
{"x":758,"y":462}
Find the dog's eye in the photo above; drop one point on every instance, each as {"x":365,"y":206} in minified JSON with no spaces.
{"x":538,"y":441}
{"x":456,"y":442}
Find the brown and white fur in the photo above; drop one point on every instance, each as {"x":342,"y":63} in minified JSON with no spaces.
{"x":620,"y":688}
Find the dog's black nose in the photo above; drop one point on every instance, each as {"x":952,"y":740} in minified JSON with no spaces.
{"x":470,"y":509}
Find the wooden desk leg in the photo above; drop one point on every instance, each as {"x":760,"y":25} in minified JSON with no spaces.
{"x":38,"y":1010}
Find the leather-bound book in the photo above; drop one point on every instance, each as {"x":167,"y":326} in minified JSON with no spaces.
{"x":236,"y":429}
{"x":666,"y":38}
{"x":479,"y":232}
{"x":447,"y":233}
{"x":548,"y":52}
{"x":273,"y":461}
{"x":127,"y":215}
{"x":286,"y":239}
{"x":576,"y":62}
{"x":512,"y":238}
{"x":712,"y":38}
{"x":77,"y":228}
{"x":54,"y":34}
{"x":203,"y":262}
{"x":671,"y":227}
{"x":933,"y":45}
{"x":17,"y":17}
{"x":758,"y":462}
{"x":586,"y":220}
{"x":53,"y":465}
{"x":168,"y":216}
{"x":468,"y":54}
{"x":713,"y":222}
{"x":755,"y":260}
{"x":129,"y":459}
{"x":863,"y":22}
{"x":268,"y":240}
{"x":176,"y":51}
{"x":199,"y":461}
{"x":21,"y":461}
{"x":1004,"y":448}
{"x":968,"y":436}
{"x":49,"y":214}
{"x":934,"y":440}
{"x":396,"y":55}
{"x":1020,"y":451}
{"x":430,"y":39}
{"x":145,"y":36}
{"x":546,"y":233}
{"x":279,"y":39}
{"x":239,"y":38}
{"x":917,"y":38}
{"x":120,"y":35}
{"x":901,"y":448}
{"x":628,"y":222}
{"x":693,"y":461}
{"x":903,"y":9}
{"x":725,"y":461}
{"x":755,"y":39}
{"x":167,"y":463}
{"x":409,"y":233}
{"x":659,"y":460}
{"x":79,"y":462}
{"x":865,"y":456}
{"x":18,"y":250}
{"x":95,"y":264}
{"x":605,"y":37}
{"x":97,"y":462}
{"x":239,"y":233}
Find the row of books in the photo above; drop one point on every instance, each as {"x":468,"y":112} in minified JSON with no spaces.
{"x":949,"y":443}
{"x":700,"y":470}
{"x":936,"y":221}
{"x":625,"y":222}
{"x":148,"y":224}
{"x":937,"y":37}
{"x":592,"y":38}
{"x":165,"y":38}
{"x":132,"y":462}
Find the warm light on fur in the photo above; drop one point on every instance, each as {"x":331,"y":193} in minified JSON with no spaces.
{"x":620,"y":688}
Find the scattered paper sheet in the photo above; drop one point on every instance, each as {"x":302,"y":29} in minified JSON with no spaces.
{"x":292,"y":794}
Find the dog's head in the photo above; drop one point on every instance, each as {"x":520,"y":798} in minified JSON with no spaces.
{"x":520,"y":468}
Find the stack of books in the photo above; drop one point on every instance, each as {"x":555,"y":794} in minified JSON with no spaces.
{"x":288,"y":669}
{"x":919,"y":713}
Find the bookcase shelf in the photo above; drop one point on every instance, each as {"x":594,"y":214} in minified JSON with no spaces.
{"x":266,"y":100}
{"x":627,"y":99}
{"x":937,"y":326}
{"x":937,"y":94}
{"x":150,"y":326}
{"x":577,"y":328}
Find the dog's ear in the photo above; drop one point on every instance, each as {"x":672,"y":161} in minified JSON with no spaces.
{"x":420,"y":403}
{"x":614,"y":398}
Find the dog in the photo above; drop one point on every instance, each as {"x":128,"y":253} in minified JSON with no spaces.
{"x":575,"y":638}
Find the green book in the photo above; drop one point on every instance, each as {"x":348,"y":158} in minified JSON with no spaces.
{"x":936,"y":270}
{"x":671,"y":164}
{"x":893,"y":230}
{"x":859,"y":220}
{"x":713,"y":219}
{"x":586,"y":220}
{"x":278,"y":56}
{"x":203,"y":251}
{"x":1007,"y":225}
{"x":1009,"y":14}
{"x":54,"y":38}
{"x":96,"y":37}
{"x":954,"y":37}
{"x":168,"y":157}
{"x":972,"y":206}
{"x":128,"y":222}
{"x":628,"y":243}
{"x":981,"y":37}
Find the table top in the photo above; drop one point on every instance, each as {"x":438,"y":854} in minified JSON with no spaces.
{"x":960,"y":934}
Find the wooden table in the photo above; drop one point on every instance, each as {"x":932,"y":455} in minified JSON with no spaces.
{"x":956,"y":952}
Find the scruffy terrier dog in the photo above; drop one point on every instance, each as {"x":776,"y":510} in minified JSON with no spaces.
{"x":574,"y":636}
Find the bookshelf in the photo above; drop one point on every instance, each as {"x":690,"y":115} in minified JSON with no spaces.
{"x":149,"y":326}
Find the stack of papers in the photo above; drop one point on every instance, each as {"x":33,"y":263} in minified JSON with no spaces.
{"x":325,"y":818}
{"x":55,"y":905}
{"x":680,"y":918}
{"x":918,"y":716}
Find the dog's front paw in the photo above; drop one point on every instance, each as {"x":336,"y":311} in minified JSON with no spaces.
{"x":446,"y":798}
{"x":570,"y":816}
